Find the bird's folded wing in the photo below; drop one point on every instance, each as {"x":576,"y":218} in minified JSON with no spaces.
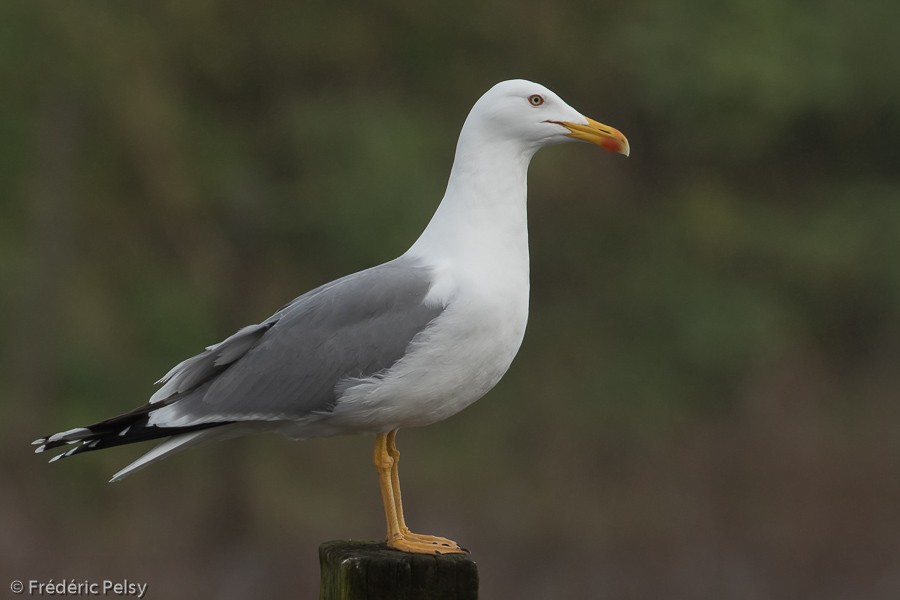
{"x":288,"y":366}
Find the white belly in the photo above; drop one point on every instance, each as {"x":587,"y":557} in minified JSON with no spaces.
{"x":451,"y":364}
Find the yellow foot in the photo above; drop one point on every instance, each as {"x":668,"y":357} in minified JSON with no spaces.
{"x":424,"y":544}
{"x":432,"y":539}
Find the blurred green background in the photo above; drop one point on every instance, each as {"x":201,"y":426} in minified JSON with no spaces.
{"x":706,"y":401}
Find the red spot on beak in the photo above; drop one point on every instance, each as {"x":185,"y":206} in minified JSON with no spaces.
{"x":611,"y":144}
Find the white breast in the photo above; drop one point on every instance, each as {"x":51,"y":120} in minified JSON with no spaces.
{"x":454,"y":362}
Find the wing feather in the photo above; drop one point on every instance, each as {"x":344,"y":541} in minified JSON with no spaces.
{"x":288,"y":366}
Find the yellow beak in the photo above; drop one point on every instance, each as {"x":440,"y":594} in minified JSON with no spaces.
{"x":608,"y":138}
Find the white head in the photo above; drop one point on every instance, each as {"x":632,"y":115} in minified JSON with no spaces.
{"x":482,"y":220}
{"x":532,"y":116}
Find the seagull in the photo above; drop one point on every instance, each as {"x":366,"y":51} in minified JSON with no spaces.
{"x":404,"y":344}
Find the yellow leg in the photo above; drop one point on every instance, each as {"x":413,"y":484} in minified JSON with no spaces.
{"x":399,"y":536}
{"x":383,"y":464}
{"x":446,"y":546}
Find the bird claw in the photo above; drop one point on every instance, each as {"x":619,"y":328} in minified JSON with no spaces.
{"x":424,"y":544}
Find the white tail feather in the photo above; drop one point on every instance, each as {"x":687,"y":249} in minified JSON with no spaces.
{"x":185,"y":440}
{"x":177,"y":442}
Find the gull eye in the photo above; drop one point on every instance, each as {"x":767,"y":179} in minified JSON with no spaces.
{"x":535,"y":99}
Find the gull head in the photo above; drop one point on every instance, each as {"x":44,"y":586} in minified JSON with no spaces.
{"x":528,"y":113}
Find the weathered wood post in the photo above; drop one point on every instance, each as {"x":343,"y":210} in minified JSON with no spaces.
{"x":371,"y":570}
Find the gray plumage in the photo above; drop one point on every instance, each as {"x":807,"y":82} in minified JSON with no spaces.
{"x":294,"y":364}
{"x":291,"y":364}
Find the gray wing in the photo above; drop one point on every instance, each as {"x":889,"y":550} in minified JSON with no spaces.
{"x":288,"y":365}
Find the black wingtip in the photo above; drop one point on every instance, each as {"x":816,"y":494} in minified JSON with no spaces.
{"x":127,"y":428}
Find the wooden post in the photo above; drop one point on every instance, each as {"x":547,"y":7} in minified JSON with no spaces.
{"x":370,"y":570}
